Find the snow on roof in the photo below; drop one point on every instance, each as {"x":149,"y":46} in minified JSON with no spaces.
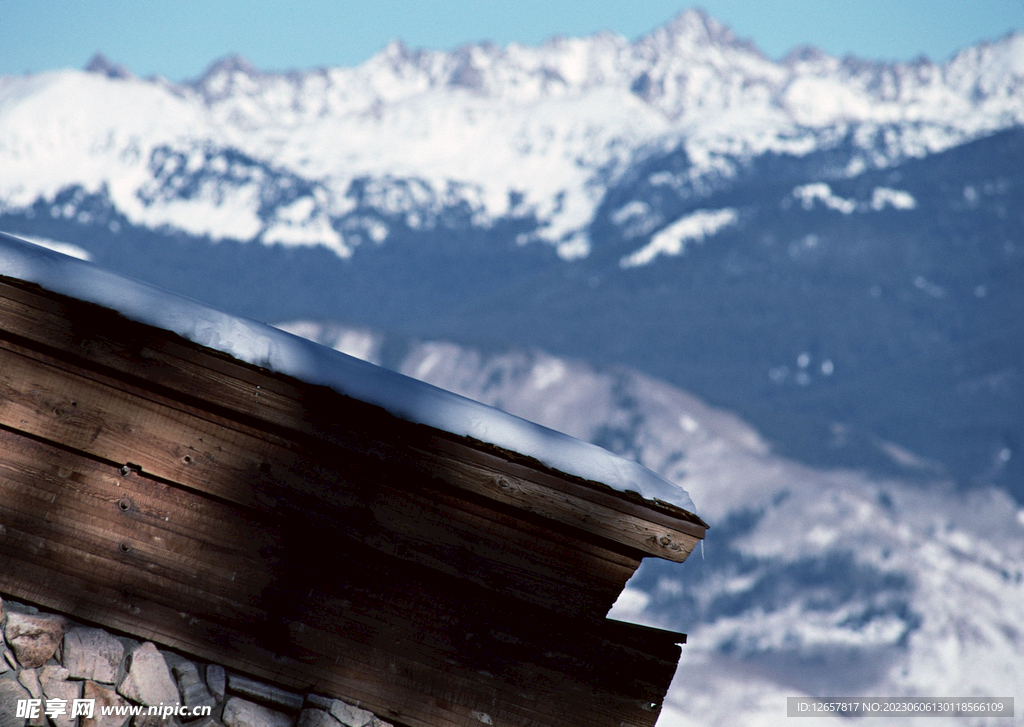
{"x":262,"y":345}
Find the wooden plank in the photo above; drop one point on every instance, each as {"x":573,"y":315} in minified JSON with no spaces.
{"x":119,"y":423}
{"x":157,"y":520}
{"x":458,"y":565}
{"x":104,"y":337}
{"x":86,"y":517}
{"x":450,"y":705}
{"x":554,"y":575}
{"x":668,"y":516}
{"x":223,"y":458}
{"x":179,"y":365}
{"x":541,"y":567}
{"x":179,"y":535}
{"x":390,"y":685}
{"x":527,"y":495}
{"x":60,"y":489}
{"x":64,"y":562}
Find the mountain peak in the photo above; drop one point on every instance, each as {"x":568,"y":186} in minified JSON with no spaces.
{"x":396,"y":49}
{"x":692,"y":33}
{"x":805,"y":54}
{"x":232,"y":63}
{"x":219,"y":81}
{"x":99,"y":63}
{"x":695,"y":27}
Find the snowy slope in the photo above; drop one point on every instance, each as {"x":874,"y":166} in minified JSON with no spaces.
{"x":338,"y":156}
{"x":812,"y":582}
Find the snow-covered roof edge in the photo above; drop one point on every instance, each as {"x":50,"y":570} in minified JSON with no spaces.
{"x":268,"y":347}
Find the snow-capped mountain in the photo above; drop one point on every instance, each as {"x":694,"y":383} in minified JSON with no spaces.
{"x":811,"y":582}
{"x":338,"y":157}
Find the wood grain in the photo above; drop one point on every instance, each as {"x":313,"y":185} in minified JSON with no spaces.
{"x":158,"y":488}
{"x":338,"y":629}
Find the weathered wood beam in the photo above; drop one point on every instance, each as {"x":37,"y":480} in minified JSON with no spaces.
{"x":58,"y":402}
{"x":153,"y":486}
{"x":181,"y":368}
{"x":272,"y":591}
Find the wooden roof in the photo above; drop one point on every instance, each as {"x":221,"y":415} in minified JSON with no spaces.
{"x":169,"y":491}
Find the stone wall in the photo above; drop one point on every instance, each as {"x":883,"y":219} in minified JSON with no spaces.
{"x":50,"y":658}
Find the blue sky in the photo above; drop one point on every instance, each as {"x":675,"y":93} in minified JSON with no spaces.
{"x":180,"y":38}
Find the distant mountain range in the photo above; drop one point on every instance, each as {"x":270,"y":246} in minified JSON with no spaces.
{"x":833,"y":248}
{"x":340,"y":157}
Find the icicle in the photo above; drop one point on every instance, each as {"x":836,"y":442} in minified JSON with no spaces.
{"x":702,"y":549}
